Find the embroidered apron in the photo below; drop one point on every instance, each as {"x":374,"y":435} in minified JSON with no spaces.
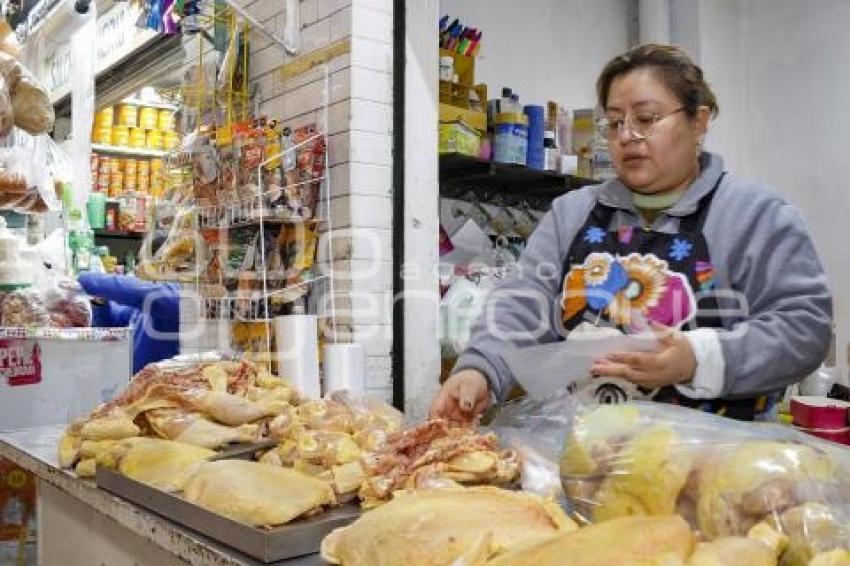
{"x":629,"y":277}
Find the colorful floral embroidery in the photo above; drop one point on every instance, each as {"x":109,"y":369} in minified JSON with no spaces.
{"x":597,"y":268}
{"x":600,"y":296}
{"x":575,"y":299}
{"x":677,"y":305}
{"x":625,"y":235}
{"x":647,"y":276}
{"x":680,"y":249}
{"x":594,"y":235}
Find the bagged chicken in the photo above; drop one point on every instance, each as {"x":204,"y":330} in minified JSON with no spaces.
{"x":726,"y":478}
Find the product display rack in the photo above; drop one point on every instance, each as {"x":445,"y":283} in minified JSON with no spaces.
{"x":128,"y":151}
{"x":460,"y":174}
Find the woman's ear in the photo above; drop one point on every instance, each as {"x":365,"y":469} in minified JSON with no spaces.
{"x":701,"y":122}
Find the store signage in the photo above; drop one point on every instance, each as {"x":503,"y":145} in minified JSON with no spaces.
{"x":20,"y":362}
{"x":117,"y":36}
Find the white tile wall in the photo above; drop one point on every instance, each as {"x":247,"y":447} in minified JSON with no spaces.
{"x":359,"y":124}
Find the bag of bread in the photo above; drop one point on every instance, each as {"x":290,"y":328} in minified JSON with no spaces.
{"x":30,"y":103}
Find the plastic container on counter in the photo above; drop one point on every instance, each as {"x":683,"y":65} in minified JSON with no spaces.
{"x":511,"y":138}
{"x":96,"y":208}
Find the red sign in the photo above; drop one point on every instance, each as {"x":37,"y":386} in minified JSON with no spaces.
{"x":20,"y":362}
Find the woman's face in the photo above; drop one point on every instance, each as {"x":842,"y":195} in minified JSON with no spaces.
{"x":666,"y":160}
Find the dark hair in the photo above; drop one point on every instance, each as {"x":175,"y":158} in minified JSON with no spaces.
{"x":671,"y":65}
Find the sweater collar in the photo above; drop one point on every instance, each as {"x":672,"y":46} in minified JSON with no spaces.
{"x":615,"y":194}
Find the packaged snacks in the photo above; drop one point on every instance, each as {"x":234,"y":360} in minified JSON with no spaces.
{"x":24,"y":308}
{"x":67,"y":304}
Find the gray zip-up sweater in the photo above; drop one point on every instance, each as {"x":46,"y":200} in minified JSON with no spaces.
{"x":759,"y":248}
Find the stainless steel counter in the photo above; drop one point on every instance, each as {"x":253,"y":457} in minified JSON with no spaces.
{"x":70,"y":507}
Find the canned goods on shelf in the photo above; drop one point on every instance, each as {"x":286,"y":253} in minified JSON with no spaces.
{"x":148,"y":118}
{"x":104,"y":118}
{"x":121,"y":136}
{"x":128,"y":116}
{"x":131,"y":166}
{"x":102,"y":135}
{"x":137,"y":138}
{"x":166,"y":120}
{"x":154,"y":140}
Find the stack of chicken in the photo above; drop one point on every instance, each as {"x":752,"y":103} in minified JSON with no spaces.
{"x":724,"y":479}
{"x":205,"y":405}
{"x":435,"y":453}
{"x":327,"y":438}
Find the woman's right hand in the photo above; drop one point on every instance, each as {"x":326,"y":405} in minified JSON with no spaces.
{"x":463,"y":397}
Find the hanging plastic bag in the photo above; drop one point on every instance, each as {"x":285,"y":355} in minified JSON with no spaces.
{"x":67,"y":304}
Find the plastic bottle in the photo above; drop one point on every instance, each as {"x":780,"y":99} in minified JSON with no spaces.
{"x":505,"y":102}
{"x":515,"y":105}
{"x":550,"y":150}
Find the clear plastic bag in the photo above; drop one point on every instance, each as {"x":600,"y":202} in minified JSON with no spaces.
{"x":67,"y":304}
{"x":24,"y":308}
{"x":725,"y":477}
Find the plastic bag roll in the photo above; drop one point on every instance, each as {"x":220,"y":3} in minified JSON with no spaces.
{"x":345,"y":368}
{"x":297,"y":352}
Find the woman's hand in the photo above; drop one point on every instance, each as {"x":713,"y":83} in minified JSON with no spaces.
{"x":674,"y":363}
{"x":463,"y":397}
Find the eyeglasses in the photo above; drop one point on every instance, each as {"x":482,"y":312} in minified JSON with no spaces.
{"x":639,"y":124}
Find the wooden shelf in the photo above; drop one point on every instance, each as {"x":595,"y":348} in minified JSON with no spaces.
{"x":128,"y":151}
{"x":460,"y":174}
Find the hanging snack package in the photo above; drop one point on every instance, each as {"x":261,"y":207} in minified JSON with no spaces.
{"x":29,"y":103}
{"x":302,"y":187}
{"x":726,"y":478}
{"x":250,"y":143}
{"x":205,"y":172}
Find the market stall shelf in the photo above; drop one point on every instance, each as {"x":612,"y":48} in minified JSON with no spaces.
{"x":128,"y":151}
{"x":299,"y":538}
{"x":34,"y":449}
{"x":461,"y":173}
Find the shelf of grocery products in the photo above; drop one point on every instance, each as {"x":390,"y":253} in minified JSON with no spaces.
{"x":145,"y":104}
{"x":128,"y":151}
{"x":120,"y":234}
{"x":460,"y":174}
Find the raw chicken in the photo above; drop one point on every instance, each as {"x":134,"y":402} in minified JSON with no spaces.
{"x":162,"y":464}
{"x":733,"y":551}
{"x":256,"y":494}
{"x":626,"y":541}
{"x":195,"y":429}
{"x":438,"y":526}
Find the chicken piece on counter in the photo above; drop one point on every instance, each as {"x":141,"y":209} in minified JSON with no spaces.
{"x":434,"y":450}
{"x":625,"y":541}
{"x":162,"y":464}
{"x":440,"y":526}
{"x":195,"y":429}
{"x":733,"y":551}
{"x":256,"y":494}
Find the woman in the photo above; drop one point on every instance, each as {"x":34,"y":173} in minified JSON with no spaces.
{"x":725,"y":264}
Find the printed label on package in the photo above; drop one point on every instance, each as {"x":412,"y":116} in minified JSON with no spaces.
{"x":20,"y":362}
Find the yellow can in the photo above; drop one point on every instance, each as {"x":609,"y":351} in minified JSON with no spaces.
{"x":104,"y":118}
{"x":166,"y":120}
{"x":114,"y":166}
{"x":131,"y":167}
{"x":154,"y":140}
{"x":102,"y":135}
{"x":145,"y":166}
{"x":116,"y":184}
{"x":170,"y":140}
{"x":148,"y":118}
{"x":155,"y":165}
{"x":128,"y":116}
{"x":104,"y":166}
{"x":121,"y":136}
{"x":137,"y":138}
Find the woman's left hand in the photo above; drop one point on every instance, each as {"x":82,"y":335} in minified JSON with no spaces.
{"x":674,"y":363}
